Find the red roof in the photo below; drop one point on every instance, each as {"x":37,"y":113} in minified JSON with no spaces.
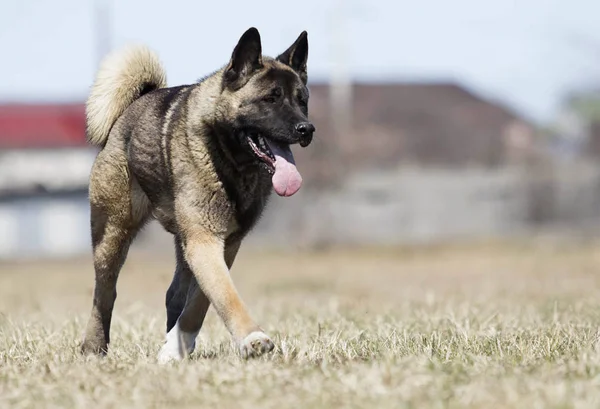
{"x":41,"y":126}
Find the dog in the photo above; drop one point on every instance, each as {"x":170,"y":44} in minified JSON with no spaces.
{"x":203,"y":160}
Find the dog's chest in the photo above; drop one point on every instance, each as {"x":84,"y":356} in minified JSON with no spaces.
{"x":249,"y":199}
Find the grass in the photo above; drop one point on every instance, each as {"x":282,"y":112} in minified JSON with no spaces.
{"x":486,"y":326}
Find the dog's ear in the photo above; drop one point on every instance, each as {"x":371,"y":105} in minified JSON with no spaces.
{"x":245,"y":59}
{"x":297,"y":55}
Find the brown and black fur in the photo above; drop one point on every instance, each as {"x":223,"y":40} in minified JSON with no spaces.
{"x":180,"y":155}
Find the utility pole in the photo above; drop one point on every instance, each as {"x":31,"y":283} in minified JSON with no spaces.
{"x":102,"y":29}
{"x":341,"y":83}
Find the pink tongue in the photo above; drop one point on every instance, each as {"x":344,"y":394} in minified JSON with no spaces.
{"x":287,"y":179}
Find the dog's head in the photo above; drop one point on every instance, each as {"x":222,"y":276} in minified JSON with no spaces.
{"x":266,"y":101}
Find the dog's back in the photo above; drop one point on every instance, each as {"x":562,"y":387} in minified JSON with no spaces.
{"x":133,"y":115}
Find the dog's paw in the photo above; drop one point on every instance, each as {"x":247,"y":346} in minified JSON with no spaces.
{"x":255,"y":344}
{"x":93,"y":347}
{"x":178,"y":346}
{"x":170,"y":353}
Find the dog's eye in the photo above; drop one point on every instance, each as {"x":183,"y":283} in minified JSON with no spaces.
{"x":273,"y":96}
{"x":302,"y":98}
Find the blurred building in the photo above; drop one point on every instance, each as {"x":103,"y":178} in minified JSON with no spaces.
{"x":44,"y":169}
{"x":425,"y":124}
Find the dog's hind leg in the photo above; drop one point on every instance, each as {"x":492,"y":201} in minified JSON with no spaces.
{"x":118,"y":209}
{"x":177,"y":293}
{"x":183,"y":292}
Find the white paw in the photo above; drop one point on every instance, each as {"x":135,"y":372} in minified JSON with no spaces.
{"x":178,"y":345}
{"x":255,"y":344}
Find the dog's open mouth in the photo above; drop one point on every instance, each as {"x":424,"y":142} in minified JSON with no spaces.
{"x":262,"y":151}
{"x":280,"y":162}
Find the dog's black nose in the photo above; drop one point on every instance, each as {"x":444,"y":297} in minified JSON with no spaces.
{"x":305,"y":132}
{"x":305,"y":128}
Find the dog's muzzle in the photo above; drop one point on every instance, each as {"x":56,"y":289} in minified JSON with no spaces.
{"x":304,"y":132}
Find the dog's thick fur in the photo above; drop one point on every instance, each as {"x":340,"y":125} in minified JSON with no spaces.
{"x":181,"y":155}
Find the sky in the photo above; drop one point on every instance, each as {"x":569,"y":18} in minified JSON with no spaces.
{"x":526,"y":54}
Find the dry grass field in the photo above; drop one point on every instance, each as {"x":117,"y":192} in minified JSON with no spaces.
{"x":481,"y":326}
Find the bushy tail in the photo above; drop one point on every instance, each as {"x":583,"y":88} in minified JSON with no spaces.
{"x":123,"y":77}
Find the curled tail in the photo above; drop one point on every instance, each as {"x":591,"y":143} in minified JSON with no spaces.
{"x":123,"y":77}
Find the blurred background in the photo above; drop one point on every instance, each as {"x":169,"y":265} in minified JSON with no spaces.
{"x":436,"y":121}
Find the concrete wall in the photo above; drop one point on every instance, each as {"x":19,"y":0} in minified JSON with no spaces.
{"x":399,"y":207}
{"x":44,"y":226}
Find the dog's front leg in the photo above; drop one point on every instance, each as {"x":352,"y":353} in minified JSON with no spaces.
{"x":207,"y":260}
{"x":206,"y":257}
